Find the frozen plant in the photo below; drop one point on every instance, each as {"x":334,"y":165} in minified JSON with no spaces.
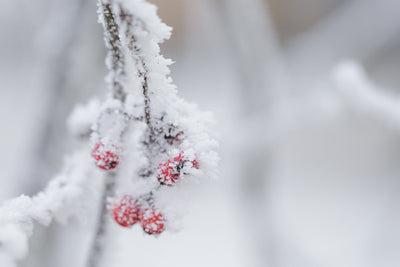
{"x":148,"y":143}
{"x":145,"y":136}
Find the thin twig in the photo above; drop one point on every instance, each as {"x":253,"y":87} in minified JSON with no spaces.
{"x":116,"y":63}
{"x":140,"y":64}
{"x":143,"y":74}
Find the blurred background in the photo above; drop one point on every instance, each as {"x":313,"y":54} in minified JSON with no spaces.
{"x":305,"y":96}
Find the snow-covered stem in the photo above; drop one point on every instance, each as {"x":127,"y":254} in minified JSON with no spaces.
{"x":129,"y":23}
{"x":115,"y":58}
{"x":116,"y":66}
{"x":135,"y":51}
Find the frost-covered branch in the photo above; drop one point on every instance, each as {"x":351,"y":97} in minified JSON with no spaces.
{"x":115,"y":59}
{"x":255,"y":49}
{"x":115,"y":63}
{"x":150,"y":143}
{"x":58,"y":200}
{"x":151,"y":111}
{"x":150,"y":139}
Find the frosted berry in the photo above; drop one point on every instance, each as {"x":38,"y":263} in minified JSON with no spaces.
{"x":152,"y":222}
{"x":104,"y":158}
{"x":171,"y":171}
{"x":127,"y":211}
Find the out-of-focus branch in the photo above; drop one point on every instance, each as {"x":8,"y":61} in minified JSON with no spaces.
{"x":255,"y":48}
{"x":357,"y":29}
{"x":67,"y":16}
{"x":352,"y":83}
{"x":259,"y":63}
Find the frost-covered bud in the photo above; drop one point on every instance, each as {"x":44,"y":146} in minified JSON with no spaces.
{"x":195,"y":164}
{"x":152,"y":222}
{"x":173,"y":136}
{"x":105,"y":158}
{"x":127,"y":211}
{"x":172,"y":170}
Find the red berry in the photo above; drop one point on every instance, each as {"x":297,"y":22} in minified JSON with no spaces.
{"x":105,"y":159}
{"x":127,"y":211}
{"x":153,"y":222}
{"x":170,"y":171}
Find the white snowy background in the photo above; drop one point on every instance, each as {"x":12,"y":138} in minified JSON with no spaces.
{"x":307,"y":98}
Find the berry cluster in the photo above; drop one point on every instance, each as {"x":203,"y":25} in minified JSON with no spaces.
{"x":128,"y":211}
{"x":165,"y":131}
